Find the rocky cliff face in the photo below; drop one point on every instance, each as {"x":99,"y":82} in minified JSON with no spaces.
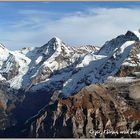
{"x":131,"y":65}
{"x":96,"y":111}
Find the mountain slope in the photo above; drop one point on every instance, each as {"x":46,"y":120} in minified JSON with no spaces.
{"x":30,"y":78}
{"x":96,"y":111}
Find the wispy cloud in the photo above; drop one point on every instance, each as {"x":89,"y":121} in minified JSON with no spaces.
{"x":92,"y":26}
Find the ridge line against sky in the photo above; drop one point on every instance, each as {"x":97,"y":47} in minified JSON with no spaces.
{"x":32,"y":24}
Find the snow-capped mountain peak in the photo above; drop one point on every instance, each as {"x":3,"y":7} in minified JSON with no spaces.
{"x":54,"y":41}
{"x":110,"y":46}
{"x":56,"y":65}
{"x":132,"y":35}
{"x":137,"y":33}
{"x":54,"y":45}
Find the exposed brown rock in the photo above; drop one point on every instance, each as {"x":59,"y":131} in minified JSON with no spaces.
{"x":96,"y":108}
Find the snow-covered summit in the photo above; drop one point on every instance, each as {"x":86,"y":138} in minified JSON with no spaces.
{"x":137,"y":33}
{"x":109,"y":47}
{"x":57,"y":66}
{"x":54,"y":41}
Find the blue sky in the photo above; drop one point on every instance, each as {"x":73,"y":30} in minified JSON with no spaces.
{"x":31,"y":24}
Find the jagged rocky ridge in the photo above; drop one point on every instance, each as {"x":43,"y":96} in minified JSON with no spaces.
{"x":97,"y":111}
{"x":34,"y":77}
